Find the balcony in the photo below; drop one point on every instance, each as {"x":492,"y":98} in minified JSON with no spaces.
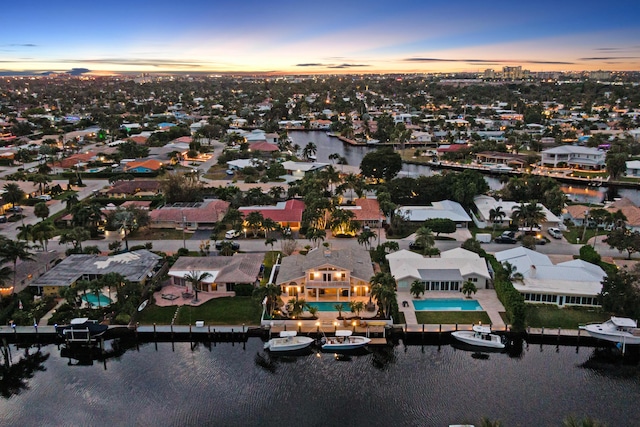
{"x":321,"y":284}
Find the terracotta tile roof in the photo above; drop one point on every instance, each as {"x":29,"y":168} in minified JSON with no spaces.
{"x":150,"y":164}
{"x":73,"y":160}
{"x":210,"y":211}
{"x":140,"y":140}
{"x":133,"y":187}
{"x":264,"y":146}
{"x":632,"y":213}
{"x":451,"y":148}
{"x":140,"y":204}
{"x":577,"y":211}
{"x":289,"y":211}
{"x":624,"y":202}
{"x":183,"y":139}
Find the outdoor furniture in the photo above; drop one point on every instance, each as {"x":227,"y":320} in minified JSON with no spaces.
{"x":169,"y":297}
{"x":187,"y":295}
{"x":199,"y":323}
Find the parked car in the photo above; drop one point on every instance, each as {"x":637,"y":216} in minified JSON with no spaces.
{"x":555,"y":232}
{"x":231,"y":234}
{"x":234,"y":245}
{"x":14,"y":209}
{"x":415,"y":246}
{"x":505,"y":239}
{"x":44,"y":197}
{"x":3,"y":219}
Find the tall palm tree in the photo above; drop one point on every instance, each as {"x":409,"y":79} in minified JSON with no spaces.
{"x":43,"y":232}
{"x":365,"y":238}
{"x":196,"y":278}
{"x":528,"y":214}
{"x":425,"y":239}
{"x":309,"y":151}
{"x":12,"y":251}
{"x":496,"y":215}
{"x":13,"y":193}
{"x":272,"y":293}
{"x":5,"y":274}
{"x":383,"y":290}
{"x":71,"y":200}
{"x":96,"y":287}
{"x":25,"y":232}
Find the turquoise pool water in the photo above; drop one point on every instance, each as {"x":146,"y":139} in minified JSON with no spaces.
{"x":329,"y":306}
{"x":93,"y":300}
{"x":454,"y":304}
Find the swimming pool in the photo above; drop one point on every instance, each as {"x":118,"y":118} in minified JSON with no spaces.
{"x":330,"y":306}
{"x":454,"y":304}
{"x":92,"y":299}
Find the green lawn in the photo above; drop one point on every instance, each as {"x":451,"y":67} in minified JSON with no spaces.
{"x":219,"y":311}
{"x":451,"y":317}
{"x":551,"y":316}
{"x":575,"y":233}
{"x":159,"y":234}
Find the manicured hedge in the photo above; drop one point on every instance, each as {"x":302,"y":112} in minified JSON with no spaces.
{"x":512,"y":300}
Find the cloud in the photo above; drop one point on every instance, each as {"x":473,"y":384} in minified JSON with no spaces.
{"x":347,"y":66}
{"x":141,"y":62}
{"x":78,"y":71}
{"x":488,"y":61}
{"x":311,"y":64}
{"x":608,"y":58}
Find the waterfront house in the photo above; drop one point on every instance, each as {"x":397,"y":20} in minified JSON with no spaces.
{"x":28,"y":271}
{"x":330,"y":275}
{"x":122,"y":189}
{"x":287,"y":214}
{"x":485,"y":204}
{"x":633,"y":168}
{"x":574,"y":156}
{"x":571,"y":283}
{"x":443,"y":209}
{"x":299,"y":169}
{"x":226,"y":272}
{"x":446,"y":273}
{"x":189,"y":216}
{"x":136,"y":266}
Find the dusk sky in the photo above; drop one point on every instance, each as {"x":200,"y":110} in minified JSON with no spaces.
{"x":318,"y":37}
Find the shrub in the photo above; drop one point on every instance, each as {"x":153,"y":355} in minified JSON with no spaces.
{"x":512,"y":300}
{"x":122,"y":319}
{"x":243,"y":290}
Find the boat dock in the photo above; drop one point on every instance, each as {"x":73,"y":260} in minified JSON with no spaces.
{"x":379,"y":335}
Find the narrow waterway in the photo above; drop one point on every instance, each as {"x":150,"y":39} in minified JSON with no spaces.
{"x":185,"y":384}
{"x":327,"y":145}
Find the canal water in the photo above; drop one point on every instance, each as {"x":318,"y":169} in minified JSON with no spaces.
{"x":327,"y":145}
{"x":183,"y":384}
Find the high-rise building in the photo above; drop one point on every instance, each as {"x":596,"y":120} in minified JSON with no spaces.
{"x":512,"y":73}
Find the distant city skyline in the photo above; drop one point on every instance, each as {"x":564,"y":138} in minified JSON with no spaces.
{"x":287,"y":37}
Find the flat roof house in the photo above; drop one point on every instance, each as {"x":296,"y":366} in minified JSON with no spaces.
{"x":444,"y":209}
{"x":575,"y":282}
{"x":447,"y":273}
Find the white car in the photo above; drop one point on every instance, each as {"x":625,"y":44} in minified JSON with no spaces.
{"x":231,"y":234}
{"x":44,"y":197}
{"x":555,"y":232}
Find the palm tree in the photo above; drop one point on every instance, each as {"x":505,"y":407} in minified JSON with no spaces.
{"x":75,"y":236}
{"x":13,"y":193}
{"x":309,"y":151}
{"x":71,"y":200}
{"x":366,"y":237}
{"x":41,"y":180}
{"x":585,"y":422}
{"x":356,"y":307}
{"x":70,"y":293}
{"x":339,"y":308}
{"x":271,"y":292}
{"x":425,"y":239}
{"x":276,"y":192}
{"x":5,"y":274}
{"x":125,"y":220}
{"x":315,"y":234}
{"x":417,"y":288}
{"x":25,"y":232}
{"x":196,"y":278}
{"x":226,"y":248}
{"x":253,"y":220}
{"x":383,"y":289}
{"x":43,"y":232}
{"x":529,"y":215}
{"x":496,"y":215}
{"x":12,"y":251}
{"x":468,"y":288}
{"x":96,"y":287}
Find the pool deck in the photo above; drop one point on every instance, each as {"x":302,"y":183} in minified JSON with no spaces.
{"x":487,"y":299}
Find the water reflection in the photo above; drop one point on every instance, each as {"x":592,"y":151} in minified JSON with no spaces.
{"x":80,"y":355}
{"x":14,"y":375}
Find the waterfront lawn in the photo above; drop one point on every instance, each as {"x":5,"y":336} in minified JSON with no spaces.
{"x":551,"y":316}
{"x":452,"y":317}
{"x":218,"y":311}
{"x":222,"y":311}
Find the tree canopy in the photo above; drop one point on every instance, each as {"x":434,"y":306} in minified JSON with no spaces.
{"x":383,"y":164}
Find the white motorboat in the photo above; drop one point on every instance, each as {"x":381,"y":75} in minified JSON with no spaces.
{"x":617,"y":329}
{"x":288,"y":341}
{"x":480,"y":336}
{"x":344,"y":340}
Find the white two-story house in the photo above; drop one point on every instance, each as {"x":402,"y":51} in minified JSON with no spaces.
{"x":574,"y":156}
